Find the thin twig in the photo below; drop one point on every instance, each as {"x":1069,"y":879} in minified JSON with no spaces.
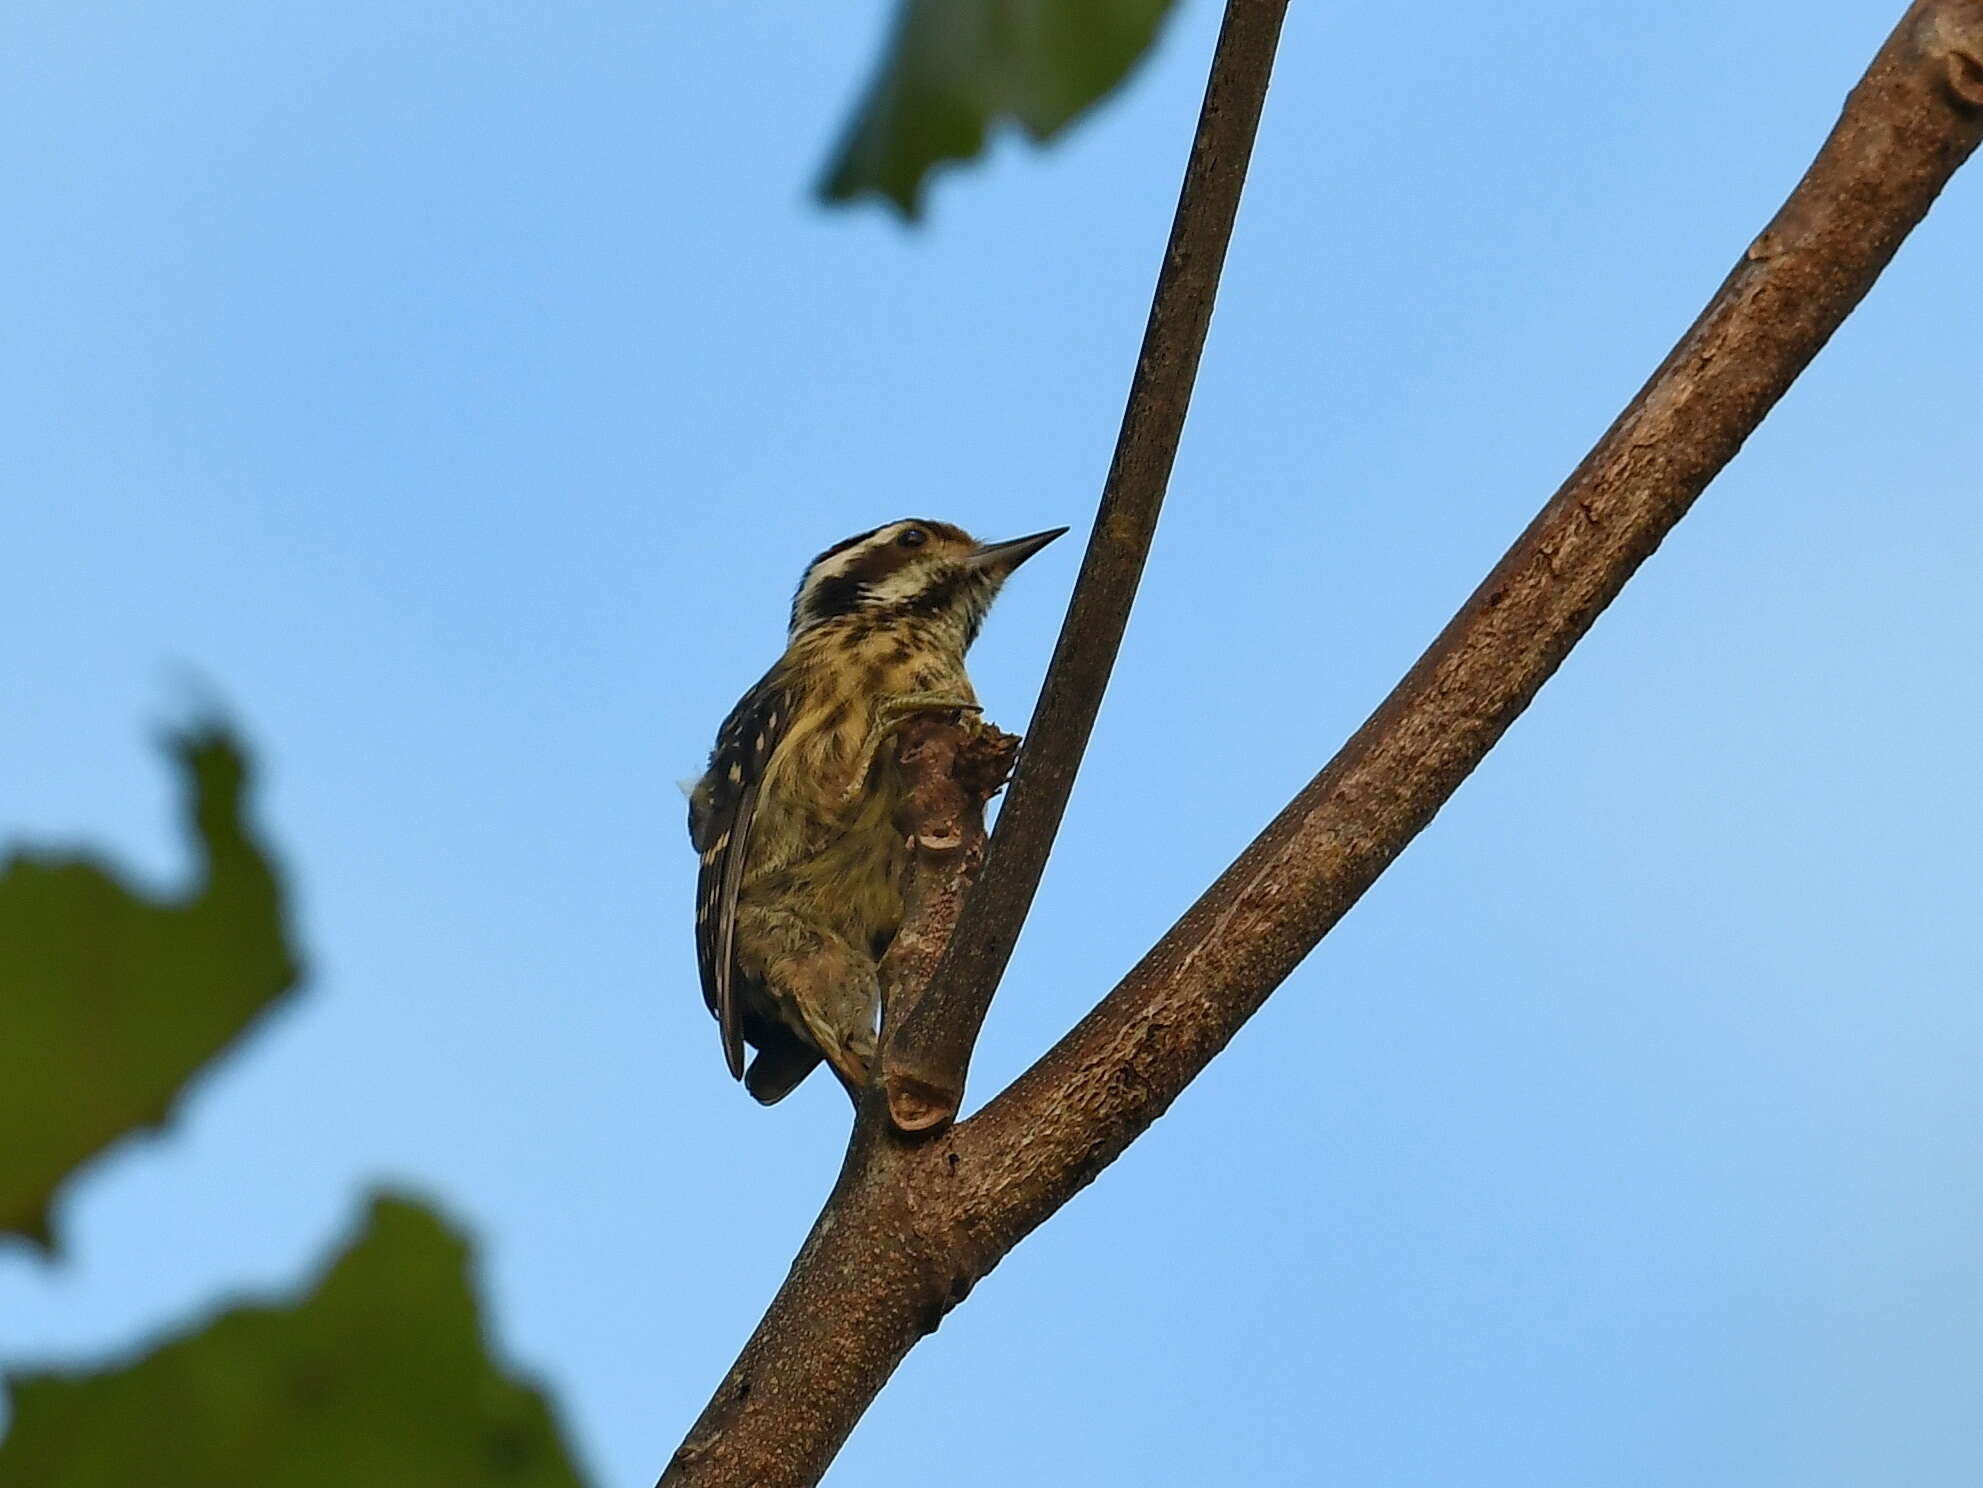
{"x":912,"y":1225}
{"x":925,"y":1062}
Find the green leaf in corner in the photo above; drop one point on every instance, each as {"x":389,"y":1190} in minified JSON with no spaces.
{"x":954,"y":68}
{"x":378,"y":1377}
{"x":111,"y":1001}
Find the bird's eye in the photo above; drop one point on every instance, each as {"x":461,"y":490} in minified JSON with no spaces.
{"x":913,"y":537}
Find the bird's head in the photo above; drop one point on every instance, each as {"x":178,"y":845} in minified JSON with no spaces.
{"x":911,"y":569}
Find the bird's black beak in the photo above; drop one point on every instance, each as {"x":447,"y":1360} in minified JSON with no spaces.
{"x":1001,"y":558}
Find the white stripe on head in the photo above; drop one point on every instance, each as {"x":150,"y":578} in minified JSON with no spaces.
{"x":832,"y":564}
{"x":816,"y":599}
{"x":904,"y":584}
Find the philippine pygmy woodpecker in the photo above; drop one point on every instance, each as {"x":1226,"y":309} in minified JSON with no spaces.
{"x":802,"y":860}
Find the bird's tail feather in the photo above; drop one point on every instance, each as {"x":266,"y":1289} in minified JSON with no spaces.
{"x":777,"y":1070}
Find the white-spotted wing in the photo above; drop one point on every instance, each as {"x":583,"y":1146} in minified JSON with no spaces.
{"x":720,"y":812}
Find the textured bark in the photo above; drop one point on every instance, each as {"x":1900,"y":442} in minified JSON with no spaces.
{"x":953,"y":769}
{"x":913,"y":1223}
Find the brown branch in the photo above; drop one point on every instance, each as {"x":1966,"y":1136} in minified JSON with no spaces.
{"x":1913,"y":119}
{"x":952,"y":770}
{"x":912,"y":1225}
{"x":925,"y":1061}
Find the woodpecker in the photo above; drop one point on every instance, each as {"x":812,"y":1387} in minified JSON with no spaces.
{"x":800,"y":890}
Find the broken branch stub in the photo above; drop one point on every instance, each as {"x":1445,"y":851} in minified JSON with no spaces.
{"x":951,"y":769}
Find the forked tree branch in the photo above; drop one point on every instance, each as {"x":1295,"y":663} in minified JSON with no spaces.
{"x":923,"y":1064}
{"x":912,"y":1225}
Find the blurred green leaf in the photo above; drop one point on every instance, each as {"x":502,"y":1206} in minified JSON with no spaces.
{"x":956,"y":67}
{"x":377,"y":1378}
{"x":110,"y":1001}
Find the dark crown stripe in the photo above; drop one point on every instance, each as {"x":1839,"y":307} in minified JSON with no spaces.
{"x":840,"y":547}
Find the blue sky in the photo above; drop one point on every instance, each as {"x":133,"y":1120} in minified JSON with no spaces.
{"x":457,"y":391}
